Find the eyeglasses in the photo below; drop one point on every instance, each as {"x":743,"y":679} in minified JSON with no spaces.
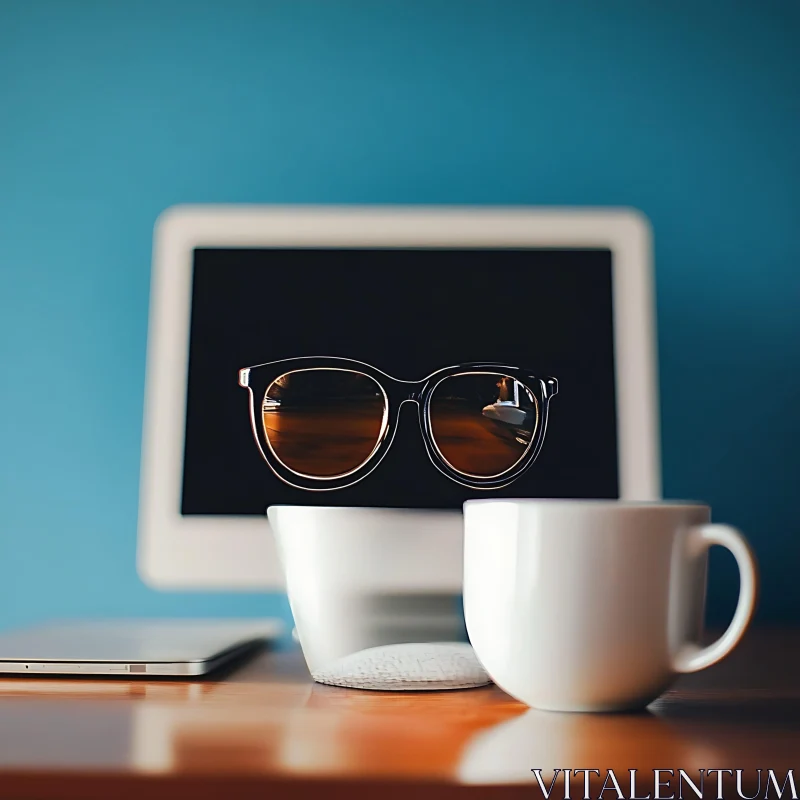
{"x":326,"y":423}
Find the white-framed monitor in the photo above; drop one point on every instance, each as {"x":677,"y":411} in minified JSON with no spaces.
{"x":570,"y":291}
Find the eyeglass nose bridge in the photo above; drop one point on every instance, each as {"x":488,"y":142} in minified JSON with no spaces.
{"x":409,"y":392}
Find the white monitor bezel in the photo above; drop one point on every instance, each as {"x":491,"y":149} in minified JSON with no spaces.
{"x":177,"y":552}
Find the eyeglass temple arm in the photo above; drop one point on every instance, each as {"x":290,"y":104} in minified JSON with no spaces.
{"x":550,"y":387}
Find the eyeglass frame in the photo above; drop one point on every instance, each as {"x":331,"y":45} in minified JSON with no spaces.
{"x":396,"y":392}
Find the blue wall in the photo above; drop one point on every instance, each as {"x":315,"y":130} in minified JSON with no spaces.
{"x":111,"y":111}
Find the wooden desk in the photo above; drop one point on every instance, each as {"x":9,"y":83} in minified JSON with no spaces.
{"x":266,"y":731}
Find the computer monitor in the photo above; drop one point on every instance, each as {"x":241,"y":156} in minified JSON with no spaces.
{"x":564,"y":293}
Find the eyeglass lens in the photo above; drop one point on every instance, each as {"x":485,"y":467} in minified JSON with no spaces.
{"x":324,"y":423}
{"x":482,"y":423}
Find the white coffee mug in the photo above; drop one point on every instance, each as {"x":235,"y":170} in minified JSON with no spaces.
{"x":363,"y":577}
{"x":594,"y":605}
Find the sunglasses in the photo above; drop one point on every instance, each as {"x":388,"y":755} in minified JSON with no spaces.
{"x":326,"y":423}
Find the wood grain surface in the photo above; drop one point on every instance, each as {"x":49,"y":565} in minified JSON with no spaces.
{"x":265,"y":730}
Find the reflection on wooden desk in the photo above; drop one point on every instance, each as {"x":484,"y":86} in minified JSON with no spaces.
{"x":267,"y":730}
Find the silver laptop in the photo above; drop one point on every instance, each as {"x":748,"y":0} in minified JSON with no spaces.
{"x":132,"y":648}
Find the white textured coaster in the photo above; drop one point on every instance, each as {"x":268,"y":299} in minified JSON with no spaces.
{"x":407,"y":667}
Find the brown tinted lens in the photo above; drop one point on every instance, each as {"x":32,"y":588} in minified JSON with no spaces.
{"x":324,"y":422}
{"x":482,"y":423}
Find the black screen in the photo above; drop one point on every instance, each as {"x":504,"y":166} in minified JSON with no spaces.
{"x":407,"y":312}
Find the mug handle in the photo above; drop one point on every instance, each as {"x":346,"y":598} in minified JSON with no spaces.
{"x":691,"y":657}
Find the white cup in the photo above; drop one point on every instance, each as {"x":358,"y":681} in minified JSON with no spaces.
{"x":594,"y":605}
{"x":365,"y":577}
